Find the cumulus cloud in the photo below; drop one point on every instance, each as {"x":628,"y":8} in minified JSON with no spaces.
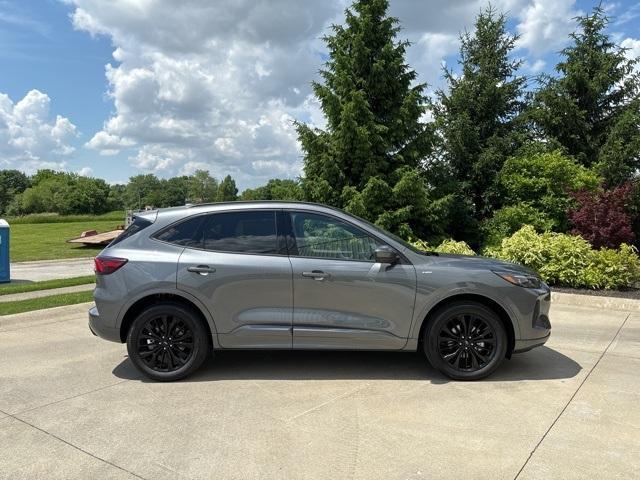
{"x":546,"y":24}
{"x":217,"y":85}
{"x":30,"y":137}
{"x":211,"y":84}
{"x":632,"y":46}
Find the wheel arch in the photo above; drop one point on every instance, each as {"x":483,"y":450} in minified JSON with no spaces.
{"x":154,"y":298}
{"x":502,"y":313}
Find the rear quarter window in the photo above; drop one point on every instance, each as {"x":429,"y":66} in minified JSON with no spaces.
{"x":136,"y":226}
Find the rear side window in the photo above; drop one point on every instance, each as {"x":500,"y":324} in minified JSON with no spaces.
{"x":241,"y":232}
{"x":186,"y":233}
{"x":136,"y":226}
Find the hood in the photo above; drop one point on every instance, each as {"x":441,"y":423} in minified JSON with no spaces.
{"x":474,"y":262}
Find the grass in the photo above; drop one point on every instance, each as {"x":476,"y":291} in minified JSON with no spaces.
{"x":47,"y":241}
{"x":20,"y":306}
{"x":10,"y":289}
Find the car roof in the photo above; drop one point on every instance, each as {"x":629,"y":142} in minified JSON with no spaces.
{"x":244,"y":204}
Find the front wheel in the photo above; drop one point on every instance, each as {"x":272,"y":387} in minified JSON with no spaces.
{"x":167,"y":342}
{"x":465,"y":341}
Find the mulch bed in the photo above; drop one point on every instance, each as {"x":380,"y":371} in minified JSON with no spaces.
{"x":633,"y":293}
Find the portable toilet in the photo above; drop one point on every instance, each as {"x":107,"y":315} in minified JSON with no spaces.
{"x":4,"y":252}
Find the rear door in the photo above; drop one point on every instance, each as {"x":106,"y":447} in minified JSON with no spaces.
{"x":342,"y":297}
{"x":239,"y":268}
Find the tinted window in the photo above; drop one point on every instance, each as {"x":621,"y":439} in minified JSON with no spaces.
{"x":326,"y":237}
{"x":243,"y":232}
{"x":137,"y":225}
{"x":186,"y":233}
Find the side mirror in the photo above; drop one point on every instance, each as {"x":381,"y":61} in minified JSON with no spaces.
{"x":385,"y":254}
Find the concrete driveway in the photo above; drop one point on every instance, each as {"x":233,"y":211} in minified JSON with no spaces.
{"x":72,"y":406}
{"x":41,"y":270}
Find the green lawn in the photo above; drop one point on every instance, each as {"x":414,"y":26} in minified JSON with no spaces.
{"x":47,"y":241}
{"x":9,"y":308}
{"x":9,"y":289}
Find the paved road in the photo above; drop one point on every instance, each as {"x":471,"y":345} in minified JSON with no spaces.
{"x":72,"y":406}
{"x":51,"y":269}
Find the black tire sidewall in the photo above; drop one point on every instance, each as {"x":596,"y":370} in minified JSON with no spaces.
{"x":430,"y":340}
{"x":200,"y":344}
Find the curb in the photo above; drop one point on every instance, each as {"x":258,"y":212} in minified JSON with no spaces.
{"x":45,"y":315}
{"x":593,"y":301}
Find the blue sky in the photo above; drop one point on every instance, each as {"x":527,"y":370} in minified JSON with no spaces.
{"x":135,"y":86}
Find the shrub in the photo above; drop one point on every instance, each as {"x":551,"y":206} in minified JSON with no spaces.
{"x":447,"y":246}
{"x":544,"y":180}
{"x":508,"y":220}
{"x":457,"y":248}
{"x":613,"y":268}
{"x":569,"y":260}
{"x":602,"y":218}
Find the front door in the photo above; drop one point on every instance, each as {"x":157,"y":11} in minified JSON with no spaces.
{"x":242,"y":273}
{"x":342,"y":297}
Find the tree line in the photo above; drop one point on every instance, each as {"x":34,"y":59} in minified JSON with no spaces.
{"x":491,"y":151}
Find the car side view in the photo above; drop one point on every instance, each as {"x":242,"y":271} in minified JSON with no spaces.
{"x":181,"y":283}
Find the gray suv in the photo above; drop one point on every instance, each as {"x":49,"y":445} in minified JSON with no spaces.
{"x":181,"y":283}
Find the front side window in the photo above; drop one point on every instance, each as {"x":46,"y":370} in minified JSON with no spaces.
{"x":241,"y":232}
{"x":321,"y":236}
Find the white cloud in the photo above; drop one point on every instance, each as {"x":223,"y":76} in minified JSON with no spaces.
{"x":30,"y":138}
{"x":216,"y":85}
{"x":633,"y":50}
{"x":546,"y":24}
{"x":85,"y":172}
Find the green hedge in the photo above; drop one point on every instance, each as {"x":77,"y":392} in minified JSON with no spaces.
{"x":560,"y":259}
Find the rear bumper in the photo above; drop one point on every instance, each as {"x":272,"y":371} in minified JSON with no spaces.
{"x":98,"y":328}
{"x":526,"y":345}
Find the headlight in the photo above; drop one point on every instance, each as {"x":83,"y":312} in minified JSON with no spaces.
{"x":521,"y":279}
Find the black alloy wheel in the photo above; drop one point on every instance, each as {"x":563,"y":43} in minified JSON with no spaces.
{"x":165,"y":343}
{"x":465,"y":340}
{"x":168,"y":341}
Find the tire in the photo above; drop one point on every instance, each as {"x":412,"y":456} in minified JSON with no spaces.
{"x":461,"y":355}
{"x":168,"y":356}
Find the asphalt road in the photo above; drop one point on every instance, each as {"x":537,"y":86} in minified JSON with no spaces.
{"x":72,"y":406}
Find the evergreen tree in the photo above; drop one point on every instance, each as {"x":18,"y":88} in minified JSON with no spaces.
{"x":479,"y":123}
{"x":374,"y":136}
{"x":227,"y":191}
{"x":592,"y":108}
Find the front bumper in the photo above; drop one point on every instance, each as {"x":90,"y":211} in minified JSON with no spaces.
{"x":526,"y":345}
{"x":535,"y":329}
{"x":99,"y":329}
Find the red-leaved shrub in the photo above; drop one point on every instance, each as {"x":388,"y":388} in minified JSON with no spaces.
{"x":602,"y":218}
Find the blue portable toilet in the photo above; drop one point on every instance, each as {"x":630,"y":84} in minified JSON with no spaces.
{"x":4,"y":252}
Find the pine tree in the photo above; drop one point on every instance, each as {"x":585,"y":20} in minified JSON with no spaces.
{"x":478,"y":120}
{"x":592,"y":108}
{"x":374,"y":136}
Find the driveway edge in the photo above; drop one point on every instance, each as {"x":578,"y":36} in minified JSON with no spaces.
{"x":593,"y":301}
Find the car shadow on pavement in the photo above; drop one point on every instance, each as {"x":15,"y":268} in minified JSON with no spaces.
{"x":540,"y":364}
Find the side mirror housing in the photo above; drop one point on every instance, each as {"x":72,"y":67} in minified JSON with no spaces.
{"x":385,"y":254}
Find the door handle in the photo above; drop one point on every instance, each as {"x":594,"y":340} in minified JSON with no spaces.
{"x":201,"y":269}
{"x":316,"y":274}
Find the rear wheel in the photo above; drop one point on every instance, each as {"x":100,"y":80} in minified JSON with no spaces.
{"x":167,"y":342}
{"x":465,"y":341}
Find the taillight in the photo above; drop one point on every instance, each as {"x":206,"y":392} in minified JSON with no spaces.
{"x":107,"y":265}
